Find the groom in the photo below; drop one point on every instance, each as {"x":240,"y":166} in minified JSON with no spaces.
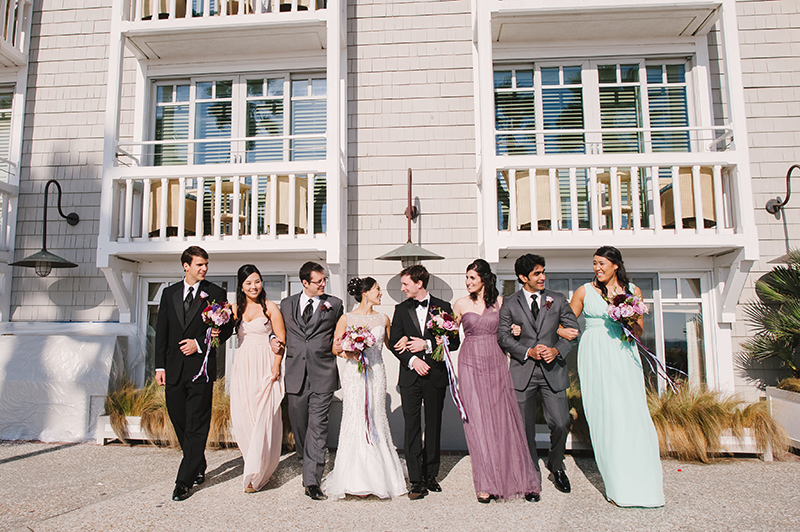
{"x":529,"y":322}
{"x":179,"y":354}
{"x":422,"y":380}
{"x":311,"y":376}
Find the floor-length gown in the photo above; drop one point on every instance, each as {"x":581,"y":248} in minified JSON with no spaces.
{"x":366,"y":459}
{"x":612,"y":389}
{"x":256,"y":402}
{"x":501,"y":461}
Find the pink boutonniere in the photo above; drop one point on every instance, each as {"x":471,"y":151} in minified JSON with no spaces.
{"x":548,"y":302}
{"x":326,"y":305}
{"x":203,"y":295}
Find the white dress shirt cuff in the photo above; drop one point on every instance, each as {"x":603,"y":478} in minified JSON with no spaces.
{"x":411,"y":361}
{"x":198,"y":347}
{"x":428,"y":347}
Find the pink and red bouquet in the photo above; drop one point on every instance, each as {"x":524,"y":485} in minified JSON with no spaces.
{"x":626,"y":309}
{"x":216,"y":315}
{"x":441,"y":325}
{"x":356,"y":340}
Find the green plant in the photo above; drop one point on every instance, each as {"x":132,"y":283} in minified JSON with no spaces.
{"x":775,"y":316}
{"x":790,"y":385}
{"x":125,"y":400}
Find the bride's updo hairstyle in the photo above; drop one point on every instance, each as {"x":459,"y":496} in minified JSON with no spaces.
{"x":614,"y":256}
{"x":489,"y":279}
{"x":357,"y":286}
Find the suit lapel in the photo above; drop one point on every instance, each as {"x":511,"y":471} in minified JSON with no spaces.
{"x":316,"y":317}
{"x":542,"y":310}
{"x":198,"y":304}
{"x":522,"y":298}
{"x":412,"y":312}
{"x":177,"y":303}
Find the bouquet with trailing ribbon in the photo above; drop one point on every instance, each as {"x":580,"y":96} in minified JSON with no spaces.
{"x":627,"y":309}
{"x":356,"y":340}
{"x":442,"y":324}
{"x":215,"y":316}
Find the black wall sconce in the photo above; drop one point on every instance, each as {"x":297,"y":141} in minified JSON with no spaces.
{"x":775,"y":205}
{"x":43,"y":261}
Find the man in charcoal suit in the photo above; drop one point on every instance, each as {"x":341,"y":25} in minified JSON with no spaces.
{"x":528,"y":331}
{"x":311,"y":375}
{"x":186,"y":365}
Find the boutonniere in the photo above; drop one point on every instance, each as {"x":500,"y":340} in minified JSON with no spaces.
{"x":203,"y":295}
{"x":326,"y":305}
{"x":548,"y":302}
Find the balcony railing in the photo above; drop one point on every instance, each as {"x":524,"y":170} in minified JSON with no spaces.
{"x":219,"y":205}
{"x":643,"y":200}
{"x":139,"y":10}
{"x":13,"y":30}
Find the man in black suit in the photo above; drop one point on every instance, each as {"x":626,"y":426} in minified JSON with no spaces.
{"x":180,"y":353}
{"x":528,"y":331}
{"x":422,"y":380}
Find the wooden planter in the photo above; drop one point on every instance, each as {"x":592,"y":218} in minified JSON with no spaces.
{"x":785,"y":408}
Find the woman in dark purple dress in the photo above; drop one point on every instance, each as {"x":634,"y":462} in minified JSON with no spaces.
{"x":501,"y":463}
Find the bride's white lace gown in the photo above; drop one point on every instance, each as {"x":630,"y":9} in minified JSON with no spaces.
{"x":366,"y":463}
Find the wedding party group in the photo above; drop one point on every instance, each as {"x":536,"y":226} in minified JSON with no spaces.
{"x":511,"y":361}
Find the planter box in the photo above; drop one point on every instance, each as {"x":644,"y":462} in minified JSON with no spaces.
{"x":785,"y":408}
{"x":104,"y":433}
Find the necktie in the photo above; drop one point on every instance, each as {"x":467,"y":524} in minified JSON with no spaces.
{"x":535,"y":307}
{"x":187,"y":303}
{"x":308,"y":311}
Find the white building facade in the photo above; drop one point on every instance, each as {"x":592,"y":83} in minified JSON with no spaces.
{"x":275,"y":132}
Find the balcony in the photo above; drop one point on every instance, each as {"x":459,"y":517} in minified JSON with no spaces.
{"x":184,"y":29}
{"x":14,"y":32}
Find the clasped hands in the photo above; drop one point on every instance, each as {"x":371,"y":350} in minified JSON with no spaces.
{"x":541,"y":351}
{"x":416,"y":345}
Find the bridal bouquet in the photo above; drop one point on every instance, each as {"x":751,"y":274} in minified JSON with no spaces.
{"x":356,"y":339}
{"x":216,"y":315}
{"x":440,"y":325}
{"x":626,"y":309}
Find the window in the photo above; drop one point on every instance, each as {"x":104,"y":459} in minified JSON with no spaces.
{"x":684,"y":338}
{"x":240,"y":119}
{"x":6,"y":99}
{"x":635,"y":106}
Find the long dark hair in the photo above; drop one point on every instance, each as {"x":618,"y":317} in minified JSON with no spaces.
{"x":241,"y":299}
{"x":357,"y":286}
{"x":489,"y":279}
{"x":612,"y":254}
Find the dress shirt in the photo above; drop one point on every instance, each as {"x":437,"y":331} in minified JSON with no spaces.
{"x":195,"y":289}
{"x":315,"y":301}
{"x":422,"y":318}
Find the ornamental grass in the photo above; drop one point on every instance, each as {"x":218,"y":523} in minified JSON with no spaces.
{"x":790,"y":385}
{"x":126,"y":400}
{"x":690,"y":423}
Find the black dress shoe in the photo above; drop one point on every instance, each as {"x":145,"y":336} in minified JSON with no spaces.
{"x":181,"y":492}
{"x":431,"y":484}
{"x":533,"y":497}
{"x":200,"y":478}
{"x":561,"y":481}
{"x":417,"y":491}
{"x":315,"y":493}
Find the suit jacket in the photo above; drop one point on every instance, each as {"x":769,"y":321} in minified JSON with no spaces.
{"x":405,"y":323}
{"x":172,"y":327}
{"x":309,"y":348}
{"x":516,"y":310}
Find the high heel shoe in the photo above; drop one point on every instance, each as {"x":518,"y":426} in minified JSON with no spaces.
{"x":249,"y":489}
{"x":486,"y":498}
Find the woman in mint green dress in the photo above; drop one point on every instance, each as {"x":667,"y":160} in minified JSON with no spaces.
{"x":612,"y":389}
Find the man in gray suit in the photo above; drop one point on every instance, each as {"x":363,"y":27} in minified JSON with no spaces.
{"x":311,"y":376}
{"x":529,"y":323}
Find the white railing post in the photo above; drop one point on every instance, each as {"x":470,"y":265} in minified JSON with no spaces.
{"x":636,"y":206}
{"x":615,"y":197}
{"x":217,"y":205}
{"x":594,"y":200}
{"x":128,"y":209}
{"x":719,"y":211}
{"x":198,"y":224}
{"x":554,"y":207}
{"x":655,"y":185}
{"x":512,"y":201}
{"x":310,"y":204}
{"x":162,"y":222}
{"x":254,"y":205}
{"x":676,"y":198}
{"x":181,"y":208}
{"x":273,"y":206}
{"x":292,"y":202}
{"x":235,"y":207}
{"x":533,"y":198}
{"x":173,"y":8}
{"x":573,"y":198}
{"x":699,"y":215}
{"x":146,"y":208}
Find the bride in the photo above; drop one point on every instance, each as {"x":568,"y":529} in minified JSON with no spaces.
{"x":366,"y":460}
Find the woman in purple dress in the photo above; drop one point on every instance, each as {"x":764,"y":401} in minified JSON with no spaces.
{"x":501,"y":463}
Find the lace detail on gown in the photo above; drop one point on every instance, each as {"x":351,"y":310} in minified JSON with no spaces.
{"x":365,"y":467}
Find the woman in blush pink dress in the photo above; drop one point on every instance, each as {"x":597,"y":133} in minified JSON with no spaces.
{"x":256,"y":386}
{"x":501,"y":462}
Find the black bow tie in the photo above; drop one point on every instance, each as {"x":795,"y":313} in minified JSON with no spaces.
{"x":415,"y":303}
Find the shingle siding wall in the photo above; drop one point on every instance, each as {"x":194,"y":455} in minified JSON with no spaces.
{"x":63,"y":139}
{"x":769,"y":35}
